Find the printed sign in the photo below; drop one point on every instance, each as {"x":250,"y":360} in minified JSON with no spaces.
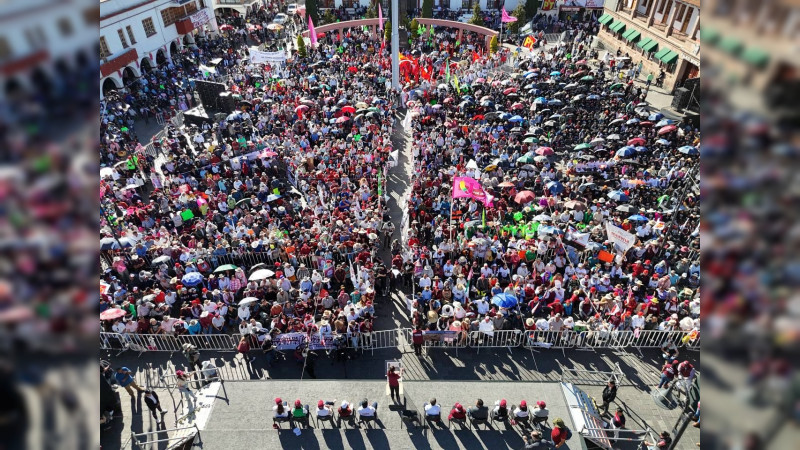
{"x":621,"y":238}
{"x":530,"y":41}
{"x":259,"y":57}
{"x":290,"y":341}
{"x":199,"y":18}
{"x":548,"y":5}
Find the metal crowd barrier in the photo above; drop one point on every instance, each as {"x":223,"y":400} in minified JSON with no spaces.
{"x":402,"y":338}
{"x":496,"y":339}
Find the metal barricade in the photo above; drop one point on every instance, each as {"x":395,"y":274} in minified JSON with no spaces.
{"x":496,"y":339}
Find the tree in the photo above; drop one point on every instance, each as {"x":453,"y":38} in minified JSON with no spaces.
{"x":477,"y":18}
{"x":328,"y":17}
{"x":412,"y":29}
{"x":372,"y":11}
{"x":519,"y":13}
{"x":311,"y":10}
{"x":531,"y":8}
{"x":301,"y":46}
{"x":493,"y":45}
{"x":387,"y":31}
{"x":427,"y":9}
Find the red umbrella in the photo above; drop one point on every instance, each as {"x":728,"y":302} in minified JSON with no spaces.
{"x":509,"y":90}
{"x":348,"y":109}
{"x":353,"y":69}
{"x":517,"y":105}
{"x":112,"y":313}
{"x":667,"y":129}
{"x":478,"y":117}
{"x":646,"y":123}
{"x":524,"y":197}
{"x":448,"y":100}
{"x":506,"y":184}
{"x":636,"y":141}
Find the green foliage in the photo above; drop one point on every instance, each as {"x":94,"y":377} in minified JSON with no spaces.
{"x":493,"y":45}
{"x":328,"y":17}
{"x":387,"y":31}
{"x":301,"y":46}
{"x":531,"y":8}
{"x":427,"y":9}
{"x":477,"y":18}
{"x":311,"y":10}
{"x":412,"y":29}
{"x":372,"y":10}
{"x":519,"y":13}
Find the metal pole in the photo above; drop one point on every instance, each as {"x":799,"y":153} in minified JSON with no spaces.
{"x":395,"y":45}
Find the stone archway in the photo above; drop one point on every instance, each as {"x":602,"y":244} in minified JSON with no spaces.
{"x":145,"y":65}
{"x":41,"y":82}
{"x":109,"y":85}
{"x":161,"y":57}
{"x":128,"y":76}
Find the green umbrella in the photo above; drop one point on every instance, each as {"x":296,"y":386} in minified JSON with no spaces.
{"x":373,"y":109}
{"x":225,"y":268}
{"x":587,"y":78}
{"x":530,"y":140}
{"x":525,"y":160}
{"x":617,"y":86}
{"x":583,"y":146}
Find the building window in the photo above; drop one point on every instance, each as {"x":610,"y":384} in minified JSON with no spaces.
{"x":130,"y":34}
{"x":65,"y":26}
{"x":104,"y":52}
{"x":5,"y":49}
{"x":149,"y":27}
{"x":327,"y":4}
{"x":91,"y":16}
{"x":122,"y":38}
{"x":661,"y":6}
{"x":36,"y":37}
{"x":174,"y":14}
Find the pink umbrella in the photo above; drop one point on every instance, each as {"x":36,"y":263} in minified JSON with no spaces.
{"x":667,"y":129}
{"x":496,"y":83}
{"x":342,"y":119}
{"x":112,"y":313}
{"x":517,"y":105}
{"x":481,"y":80}
{"x":267,"y":154}
{"x":301,"y":108}
{"x":509,"y":91}
{"x":544,"y":151}
{"x":636,"y":141}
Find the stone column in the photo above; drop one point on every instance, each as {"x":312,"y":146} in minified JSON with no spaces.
{"x":670,"y":19}
{"x":652,"y":16}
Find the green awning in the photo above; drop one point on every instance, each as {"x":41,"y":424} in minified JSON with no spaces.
{"x":730,"y":45}
{"x":650,"y":46}
{"x":605,"y":19}
{"x":756,"y":56}
{"x":669,"y":58}
{"x":661,"y":53}
{"x":644,"y":42}
{"x":708,"y":35}
{"x":617,"y":27}
{"x":632,"y":35}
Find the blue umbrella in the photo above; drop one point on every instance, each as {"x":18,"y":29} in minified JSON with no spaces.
{"x":662,"y":142}
{"x":664,"y":122}
{"x":689,"y":150}
{"x":626,"y":151}
{"x":632,"y":121}
{"x":534,"y":91}
{"x":504,"y":116}
{"x":593,"y":97}
{"x":638,"y":218}
{"x":641,"y":149}
{"x":540,"y":100}
{"x":530,"y":74}
{"x":192,"y":279}
{"x":555,"y":73}
{"x":618,"y":196}
{"x":377,"y":100}
{"x":487,"y":104}
{"x":504,"y":300}
{"x":555,"y":187}
{"x":655,"y":116}
{"x":548,"y":229}
{"x":555,"y":102}
{"x":516,"y":119}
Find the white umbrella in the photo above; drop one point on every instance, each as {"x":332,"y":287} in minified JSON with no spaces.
{"x":247,"y":301}
{"x":472,"y":164}
{"x":597,"y":141}
{"x":542,"y":218}
{"x":106,"y":172}
{"x":261,"y":274}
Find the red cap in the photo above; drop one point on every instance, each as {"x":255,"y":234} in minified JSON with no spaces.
{"x":297,"y":403}
{"x":503,"y":403}
{"x":541,"y":404}
{"x":523,"y":403}
{"x":321,"y":404}
{"x":278,"y":400}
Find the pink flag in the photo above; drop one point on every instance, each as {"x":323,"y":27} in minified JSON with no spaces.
{"x":311,"y":33}
{"x":471,"y":188}
{"x":380,"y":17}
{"x":506,"y":18}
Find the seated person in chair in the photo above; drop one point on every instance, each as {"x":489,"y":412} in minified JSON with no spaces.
{"x":540,"y":411}
{"x":433,"y":410}
{"x":521,"y":412}
{"x":367,"y":410}
{"x":299,"y":412}
{"x":325,"y":409}
{"x":478,"y":411}
{"x":500,"y":411}
{"x":279,"y":410}
{"x":345,"y":412}
{"x":457,"y":413}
